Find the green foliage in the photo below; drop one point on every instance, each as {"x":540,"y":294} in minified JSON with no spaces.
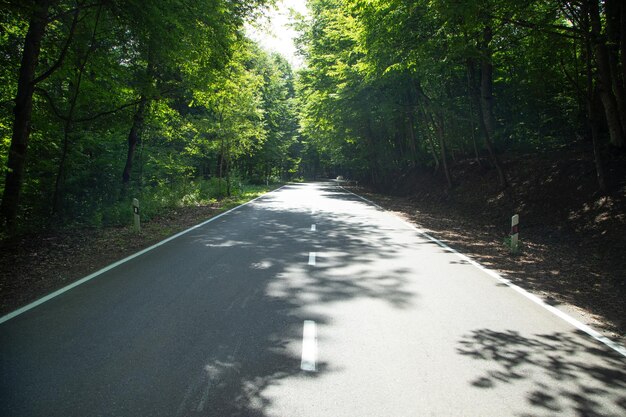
{"x":514,"y":251}
{"x":163,"y":198}
{"x":219,"y":112}
{"x":172,"y":94}
{"x":389,"y":84}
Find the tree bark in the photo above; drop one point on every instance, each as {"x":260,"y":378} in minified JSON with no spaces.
{"x":605,"y":82}
{"x":622,"y":42}
{"x":594,"y":128}
{"x":472,"y":100}
{"x":592,"y":97}
{"x":56,"y":198}
{"x":134,"y":137}
{"x":486,"y":101}
{"x":22,"y":112}
{"x":613,"y":32}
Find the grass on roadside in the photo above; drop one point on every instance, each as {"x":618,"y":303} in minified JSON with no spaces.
{"x":159,"y":200}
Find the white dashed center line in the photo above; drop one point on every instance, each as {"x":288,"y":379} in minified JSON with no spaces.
{"x":311,"y":258}
{"x":313,"y":228}
{"x":309,"y":346}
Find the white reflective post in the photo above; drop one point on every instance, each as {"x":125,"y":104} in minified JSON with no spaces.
{"x":515,"y":233}
{"x":136,"y":224}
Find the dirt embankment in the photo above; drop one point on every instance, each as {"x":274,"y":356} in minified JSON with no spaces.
{"x":573,"y":238}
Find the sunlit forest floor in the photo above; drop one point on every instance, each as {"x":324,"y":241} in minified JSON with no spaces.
{"x":35,"y":265}
{"x":573,"y":239}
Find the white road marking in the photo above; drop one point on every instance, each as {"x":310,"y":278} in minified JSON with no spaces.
{"x":532,"y":297}
{"x":250,"y":296}
{"x":113,"y":265}
{"x":204,"y":398}
{"x":236,"y":350}
{"x":245,"y":301}
{"x":311,"y":258}
{"x":313,"y":228}
{"x":309,"y":346}
{"x":183,"y":405}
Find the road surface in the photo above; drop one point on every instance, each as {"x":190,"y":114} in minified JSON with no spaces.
{"x":306,"y":302}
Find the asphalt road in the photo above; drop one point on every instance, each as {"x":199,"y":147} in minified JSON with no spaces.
{"x":306,"y":302}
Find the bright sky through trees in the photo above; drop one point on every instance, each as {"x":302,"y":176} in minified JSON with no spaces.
{"x":273,"y":31}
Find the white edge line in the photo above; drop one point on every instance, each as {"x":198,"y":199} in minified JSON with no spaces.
{"x":115,"y":264}
{"x":532,"y":297}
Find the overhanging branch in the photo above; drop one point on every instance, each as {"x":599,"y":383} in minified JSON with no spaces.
{"x":58,"y":113}
{"x":66,"y":47}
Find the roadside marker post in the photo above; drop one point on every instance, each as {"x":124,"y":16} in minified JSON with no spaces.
{"x":515,"y":233}
{"x":136,"y":223}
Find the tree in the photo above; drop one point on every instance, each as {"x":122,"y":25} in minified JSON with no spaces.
{"x":505,"y":70}
{"x":39,"y":19}
{"x":86,"y":69}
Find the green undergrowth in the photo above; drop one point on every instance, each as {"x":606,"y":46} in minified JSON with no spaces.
{"x":157,"y":200}
{"x":513,"y":251}
{"x":160,"y":200}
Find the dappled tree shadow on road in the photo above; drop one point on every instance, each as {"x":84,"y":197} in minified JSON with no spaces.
{"x":233,"y":377}
{"x":569,"y":373}
{"x":210,"y":323}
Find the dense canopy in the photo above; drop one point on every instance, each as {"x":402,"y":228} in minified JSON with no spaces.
{"x":105,"y":100}
{"x":395,"y":85}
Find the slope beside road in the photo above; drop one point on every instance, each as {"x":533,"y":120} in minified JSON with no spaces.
{"x":305,"y":302}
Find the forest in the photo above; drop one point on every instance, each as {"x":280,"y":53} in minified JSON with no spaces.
{"x":105,"y":100}
{"x":168,"y":101}
{"x":394,"y":85}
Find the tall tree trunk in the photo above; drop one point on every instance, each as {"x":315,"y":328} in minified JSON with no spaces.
{"x":605,"y":82}
{"x":56,"y":198}
{"x":228,"y":188}
{"x":410,"y":121}
{"x":221,"y":165}
{"x":136,"y":130}
{"x":592,"y":97}
{"x":622,"y":42}
{"x":134,"y":137}
{"x":22,"y":112}
{"x":439,"y":128}
{"x":594,"y":129}
{"x":473,"y":102}
{"x":613,"y":31}
{"x":67,"y":127}
{"x":424,"y":100}
{"x":412,"y":138}
{"x":486,"y":101}
{"x":427,"y":136}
